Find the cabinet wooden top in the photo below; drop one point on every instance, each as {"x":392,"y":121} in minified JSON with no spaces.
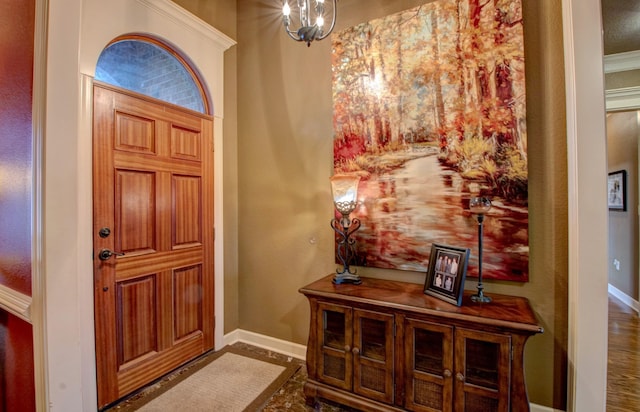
{"x":504,"y":311}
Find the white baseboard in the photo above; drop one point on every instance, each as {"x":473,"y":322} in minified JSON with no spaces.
{"x":266,"y":342}
{"x":300,"y":351}
{"x":538,"y":408}
{"x":626,"y":299}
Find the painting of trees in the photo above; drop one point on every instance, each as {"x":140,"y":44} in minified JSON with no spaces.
{"x":430,"y":109}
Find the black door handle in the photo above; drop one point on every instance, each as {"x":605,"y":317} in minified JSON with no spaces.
{"x":106,"y":254}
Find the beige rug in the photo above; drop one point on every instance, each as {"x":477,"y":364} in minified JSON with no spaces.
{"x":230,"y":380}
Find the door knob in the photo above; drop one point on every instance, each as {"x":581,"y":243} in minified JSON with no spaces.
{"x":106,"y":254}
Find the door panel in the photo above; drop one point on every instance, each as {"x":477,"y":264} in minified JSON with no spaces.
{"x":335,"y":359}
{"x":185,"y":144}
{"x":153,"y":189}
{"x":188,"y":307}
{"x":373,"y":341}
{"x":187,"y":206}
{"x":134,"y":134}
{"x":137,"y":325}
{"x":135,"y":213}
{"x":483,"y":371}
{"x":429,"y":365}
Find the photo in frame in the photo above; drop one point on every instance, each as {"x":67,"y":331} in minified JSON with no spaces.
{"x":617,"y":190}
{"x":447,"y":273}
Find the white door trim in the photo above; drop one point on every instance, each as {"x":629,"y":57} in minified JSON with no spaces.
{"x":78,"y":31}
{"x":587,"y":208}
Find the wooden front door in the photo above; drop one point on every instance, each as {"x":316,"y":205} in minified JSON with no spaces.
{"x":153,"y":239}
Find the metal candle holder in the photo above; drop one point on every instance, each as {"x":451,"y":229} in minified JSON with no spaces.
{"x":480,"y":206}
{"x":345,"y":197}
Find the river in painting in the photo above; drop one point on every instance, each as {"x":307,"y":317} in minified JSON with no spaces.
{"x":421,"y":203}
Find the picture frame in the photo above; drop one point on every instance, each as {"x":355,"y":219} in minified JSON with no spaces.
{"x":446,"y":280}
{"x":617,"y":190}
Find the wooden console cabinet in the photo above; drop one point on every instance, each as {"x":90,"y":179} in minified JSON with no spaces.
{"x":386,"y":346}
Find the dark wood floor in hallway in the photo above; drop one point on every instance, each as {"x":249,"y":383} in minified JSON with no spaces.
{"x":623,"y":368}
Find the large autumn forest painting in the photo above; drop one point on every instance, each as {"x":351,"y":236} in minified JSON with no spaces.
{"x":429,"y":108}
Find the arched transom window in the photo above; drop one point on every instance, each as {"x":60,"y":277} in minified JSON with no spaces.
{"x":146,"y":66}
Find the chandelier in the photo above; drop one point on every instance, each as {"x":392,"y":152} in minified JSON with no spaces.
{"x":311,"y":22}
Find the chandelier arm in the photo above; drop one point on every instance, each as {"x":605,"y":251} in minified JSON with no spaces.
{"x":293,"y":34}
{"x":333,"y":21}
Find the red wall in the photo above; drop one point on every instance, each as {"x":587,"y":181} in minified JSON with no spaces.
{"x":17,"y":391}
{"x":16,"y":85}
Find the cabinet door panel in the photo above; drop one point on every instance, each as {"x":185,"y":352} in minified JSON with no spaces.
{"x":334,"y":328}
{"x":373,"y":354}
{"x":482,"y":368}
{"x":429,"y":364}
{"x":335,"y":358}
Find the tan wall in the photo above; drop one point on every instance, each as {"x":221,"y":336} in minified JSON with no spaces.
{"x":622,"y":154}
{"x":284,"y":160}
{"x":621,"y":80}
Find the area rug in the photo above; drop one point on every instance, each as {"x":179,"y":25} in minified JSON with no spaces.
{"x":230,"y":380}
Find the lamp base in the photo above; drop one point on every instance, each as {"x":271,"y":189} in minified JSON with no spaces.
{"x":480,"y":297}
{"x":350,"y":278}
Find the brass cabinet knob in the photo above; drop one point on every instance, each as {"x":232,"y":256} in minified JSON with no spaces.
{"x":460,"y":377}
{"x":356,"y":351}
{"x":447,"y":373}
{"x":347,"y":348}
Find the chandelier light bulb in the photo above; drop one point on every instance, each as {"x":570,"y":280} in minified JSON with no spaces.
{"x":307,"y":23}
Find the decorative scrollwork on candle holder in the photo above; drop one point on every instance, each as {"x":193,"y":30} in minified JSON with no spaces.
{"x":346,"y":250}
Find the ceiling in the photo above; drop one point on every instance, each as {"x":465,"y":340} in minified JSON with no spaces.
{"x":621,"y":25}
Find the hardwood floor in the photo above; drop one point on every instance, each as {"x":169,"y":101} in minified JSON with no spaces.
{"x":623,"y":368}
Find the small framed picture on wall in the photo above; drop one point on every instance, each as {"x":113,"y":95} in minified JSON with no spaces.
{"x":617,"y":190}
{"x":447,"y":272}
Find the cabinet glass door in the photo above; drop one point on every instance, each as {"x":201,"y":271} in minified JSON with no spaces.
{"x":429,"y":360}
{"x":373,"y":354}
{"x":483,"y":363}
{"x":335,"y":356}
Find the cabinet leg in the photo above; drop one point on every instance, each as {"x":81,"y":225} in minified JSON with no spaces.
{"x":310,"y":394}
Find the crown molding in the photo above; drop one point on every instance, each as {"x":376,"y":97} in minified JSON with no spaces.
{"x":627,"y":98}
{"x":622,"y":62}
{"x":15,"y":303}
{"x":188,"y":21}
